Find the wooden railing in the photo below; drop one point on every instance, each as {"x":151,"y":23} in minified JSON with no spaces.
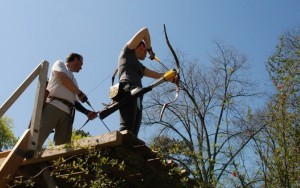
{"x":41,"y":72}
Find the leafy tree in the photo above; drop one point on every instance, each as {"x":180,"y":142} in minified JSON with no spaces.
{"x":78,"y":134}
{"x":206,"y":129}
{"x":7,"y":138}
{"x":284,"y":68}
{"x":278,"y":145}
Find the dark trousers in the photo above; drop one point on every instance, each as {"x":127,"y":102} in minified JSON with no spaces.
{"x":131,"y":115}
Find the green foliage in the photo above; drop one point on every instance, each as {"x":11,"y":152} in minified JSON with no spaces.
{"x":94,"y":164}
{"x":284,"y":68}
{"x":7,"y":138}
{"x":92,"y":170}
{"x":281,"y":154}
{"x":77,"y":135}
{"x":19,"y":181}
{"x":169,"y":149}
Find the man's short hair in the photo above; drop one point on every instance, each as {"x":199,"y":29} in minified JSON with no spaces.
{"x":72,"y":56}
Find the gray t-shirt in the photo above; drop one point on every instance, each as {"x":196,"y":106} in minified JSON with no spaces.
{"x":130,"y":68}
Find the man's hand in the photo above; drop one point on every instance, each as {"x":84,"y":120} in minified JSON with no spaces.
{"x":82,"y":97}
{"x":91,"y":115}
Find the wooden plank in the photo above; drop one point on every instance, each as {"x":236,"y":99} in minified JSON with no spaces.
{"x":19,"y":91}
{"x":147,"y":170}
{"x":81,"y":146}
{"x":129,"y":139}
{"x":38,"y":106}
{"x":145,"y":152}
{"x":2,"y":158}
{"x":3,"y":155}
{"x":13,"y":160}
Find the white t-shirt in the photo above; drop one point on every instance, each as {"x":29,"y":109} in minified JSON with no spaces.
{"x":56,"y":88}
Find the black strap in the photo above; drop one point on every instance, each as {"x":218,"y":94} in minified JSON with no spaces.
{"x":113,"y":77}
{"x":80,"y":108}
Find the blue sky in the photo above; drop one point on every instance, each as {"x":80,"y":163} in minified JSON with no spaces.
{"x":34,"y":30}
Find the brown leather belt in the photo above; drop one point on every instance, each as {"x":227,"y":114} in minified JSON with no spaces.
{"x":67,"y":103}
{"x":64,"y":101}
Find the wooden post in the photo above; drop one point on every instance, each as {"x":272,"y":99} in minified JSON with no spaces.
{"x":38,"y":106}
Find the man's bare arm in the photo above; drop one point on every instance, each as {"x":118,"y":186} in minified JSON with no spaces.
{"x":67,"y":82}
{"x":143,"y":34}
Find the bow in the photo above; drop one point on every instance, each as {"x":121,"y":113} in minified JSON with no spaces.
{"x":177,"y":70}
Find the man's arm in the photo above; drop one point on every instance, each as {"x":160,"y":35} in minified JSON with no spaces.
{"x":152,"y":74}
{"x":90,"y":114}
{"x":67,"y":82}
{"x":142,"y":34}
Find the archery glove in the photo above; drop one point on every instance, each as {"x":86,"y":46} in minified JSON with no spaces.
{"x":152,"y":54}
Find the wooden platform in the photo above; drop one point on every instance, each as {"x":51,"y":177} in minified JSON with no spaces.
{"x":143,"y":167}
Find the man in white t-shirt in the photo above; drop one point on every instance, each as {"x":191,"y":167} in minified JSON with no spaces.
{"x":58,"y":111}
